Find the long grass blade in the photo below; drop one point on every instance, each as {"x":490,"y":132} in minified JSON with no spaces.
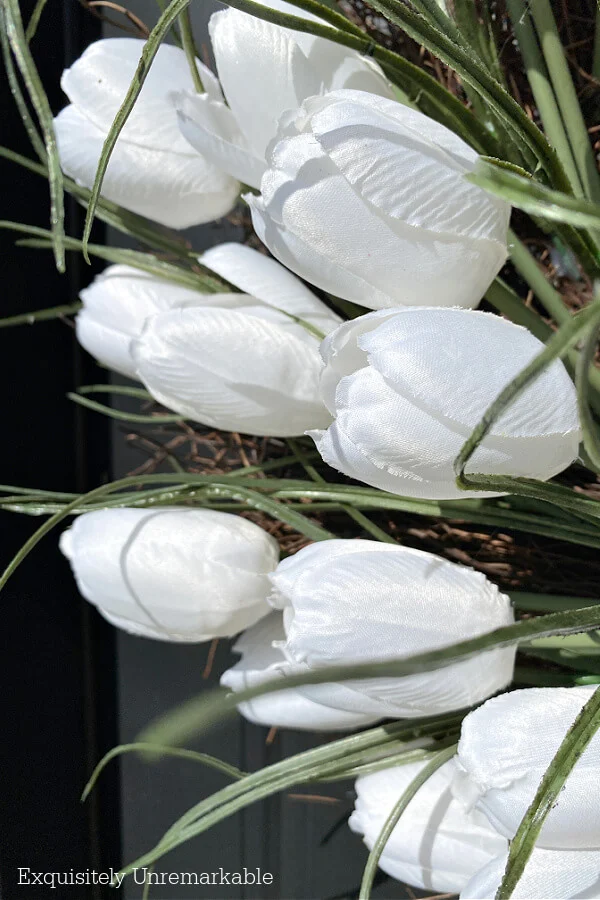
{"x":147,"y":262}
{"x":35,"y":89}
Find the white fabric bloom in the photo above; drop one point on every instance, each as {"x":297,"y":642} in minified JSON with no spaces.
{"x":437,"y":845}
{"x":367,"y":199}
{"x":264,"y":70}
{"x":357,"y":601}
{"x":564,"y":874}
{"x":152,"y":171}
{"x":172,"y":574}
{"x":116,"y":305}
{"x":407,"y":387}
{"x":118,"y":302}
{"x":505,"y":748}
{"x":241,"y":365}
{"x":262,"y":662}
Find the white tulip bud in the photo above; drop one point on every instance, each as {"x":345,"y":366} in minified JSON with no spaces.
{"x":505,"y":748}
{"x":264,"y":70}
{"x":153,"y":171}
{"x":563,"y":874}
{"x":407,"y":387}
{"x":249,"y":369}
{"x":437,"y":845}
{"x":173,"y":574}
{"x":356,"y":601}
{"x":367,"y":199}
{"x":262,"y":662}
{"x":118,"y":302}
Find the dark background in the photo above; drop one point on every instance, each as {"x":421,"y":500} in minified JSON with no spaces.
{"x":58,"y":659}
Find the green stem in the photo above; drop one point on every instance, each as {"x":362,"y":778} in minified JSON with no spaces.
{"x":586,"y":369}
{"x":272,"y":507}
{"x":155,"y":236}
{"x":15,"y":89}
{"x":147,"y":262}
{"x":40,"y":315}
{"x":576,"y":644}
{"x":467,"y":66}
{"x":543,"y":94}
{"x":547,"y":602}
{"x":507,"y":302}
{"x":566,"y":96}
{"x":528,"y":268}
{"x":176,"y":752}
{"x":35,"y":20}
{"x":378,"y":533}
{"x":330,"y":761}
{"x":189,"y":47}
{"x":35,"y":89}
{"x":121,"y":416}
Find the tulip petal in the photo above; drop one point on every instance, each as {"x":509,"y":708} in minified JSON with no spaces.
{"x":262,"y":662}
{"x":504,"y":750}
{"x":264,"y":278}
{"x":98,"y":81}
{"x":262,"y":71}
{"x":399,"y":437}
{"x":568,"y":874}
{"x":437,"y":845}
{"x":342,"y":355}
{"x":177,"y":190}
{"x":256,"y":373}
{"x":211,"y":129}
{"x":309,"y":262}
{"x":455,"y":379}
{"x":415,"y":602}
{"x":371,"y":143}
{"x":340,"y":67}
{"x":118,"y":302}
{"x":305,"y":194}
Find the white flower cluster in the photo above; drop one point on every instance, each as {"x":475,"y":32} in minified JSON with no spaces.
{"x":366,"y":200}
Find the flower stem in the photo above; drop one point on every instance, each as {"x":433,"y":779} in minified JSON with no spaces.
{"x":567,"y":99}
{"x":544,"y":97}
{"x":189,"y":47}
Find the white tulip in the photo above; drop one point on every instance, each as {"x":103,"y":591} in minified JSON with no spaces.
{"x":172,"y":574}
{"x":367,"y":199}
{"x":437,"y":845}
{"x":357,"y":601}
{"x":152,"y":171}
{"x":118,"y":302}
{"x":246,"y":368}
{"x":116,"y":305}
{"x":563,"y":874}
{"x":264,"y":70}
{"x":505,"y":748}
{"x":407,"y":387}
{"x":262,"y":662}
